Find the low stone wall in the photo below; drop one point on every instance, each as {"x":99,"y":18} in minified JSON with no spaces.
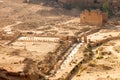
{"x":89,"y":32}
{"x":58,"y":64}
{"x":37,"y":35}
{"x":67,"y":75}
{"x":63,"y":38}
{"x":6,"y":36}
{"x":85,"y":34}
{"x":82,"y":49}
{"x":17,"y":34}
{"x":39,"y":39}
{"x":100,"y":42}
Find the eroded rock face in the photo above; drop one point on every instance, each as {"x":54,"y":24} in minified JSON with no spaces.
{"x":16,"y":67}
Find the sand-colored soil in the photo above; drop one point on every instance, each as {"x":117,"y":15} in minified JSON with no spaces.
{"x":104,"y":66}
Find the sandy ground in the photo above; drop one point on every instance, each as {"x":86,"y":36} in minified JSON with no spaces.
{"x":38,"y":17}
{"x":58,"y":21}
{"x":104,"y":33}
{"x":40,"y":47}
{"x":106,"y":67}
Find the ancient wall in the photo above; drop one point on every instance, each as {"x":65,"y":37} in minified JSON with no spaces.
{"x":91,"y":18}
{"x":100,"y":42}
{"x":5,"y":36}
{"x":94,"y":17}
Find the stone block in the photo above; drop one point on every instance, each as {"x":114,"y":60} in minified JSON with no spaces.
{"x":93,"y":17}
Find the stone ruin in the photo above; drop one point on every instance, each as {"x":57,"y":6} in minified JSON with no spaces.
{"x":93,"y":17}
{"x":8,"y":35}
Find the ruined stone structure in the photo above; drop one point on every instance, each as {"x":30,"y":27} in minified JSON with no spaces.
{"x":6,"y":36}
{"x":94,"y":17}
{"x":99,"y":42}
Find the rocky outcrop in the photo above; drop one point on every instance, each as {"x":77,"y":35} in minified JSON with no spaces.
{"x":17,"y":68}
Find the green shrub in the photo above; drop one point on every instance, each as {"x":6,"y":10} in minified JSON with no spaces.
{"x":106,"y":7}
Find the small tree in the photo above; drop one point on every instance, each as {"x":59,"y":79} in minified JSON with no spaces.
{"x":106,"y":7}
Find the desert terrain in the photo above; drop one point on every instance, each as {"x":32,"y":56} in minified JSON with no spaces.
{"x":41,"y":40}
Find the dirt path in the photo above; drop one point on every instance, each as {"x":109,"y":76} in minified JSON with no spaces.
{"x":8,"y":29}
{"x":71,"y":61}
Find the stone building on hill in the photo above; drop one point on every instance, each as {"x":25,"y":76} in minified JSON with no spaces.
{"x":93,"y":17}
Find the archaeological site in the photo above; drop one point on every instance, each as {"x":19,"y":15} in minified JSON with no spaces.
{"x":59,"y":39}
